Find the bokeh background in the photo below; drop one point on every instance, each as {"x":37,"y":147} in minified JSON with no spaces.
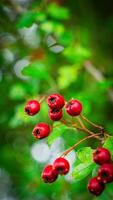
{"x":50,"y":46}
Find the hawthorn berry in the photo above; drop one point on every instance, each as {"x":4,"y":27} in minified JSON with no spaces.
{"x":49,"y":174}
{"x":55,"y":114}
{"x":55,"y":101}
{"x":32,"y":107}
{"x":61,"y":165}
{"x":101,"y":156}
{"x":74,"y":107}
{"x":41,"y":130}
{"x":105,"y":173}
{"x":95,"y":186}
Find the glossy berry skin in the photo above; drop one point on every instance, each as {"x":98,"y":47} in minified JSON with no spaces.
{"x":49,"y":174}
{"x":61,"y":165}
{"x":32,"y":107}
{"x":55,"y":101}
{"x":101,"y":156}
{"x":105,"y":173}
{"x":41,"y":130}
{"x":55,"y":115}
{"x":95,"y":186}
{"x":74,"y":107}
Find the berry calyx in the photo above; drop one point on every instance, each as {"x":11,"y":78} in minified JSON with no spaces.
{"x":32,"y":107}
{"x":49,"y":174}
{"x":55,"y":101}
{"x":41,"y":130}
{"x":105,"y":173}
{"x":74,"y":107}
{"x":55,"y":114}
{"x":61,"y":165}
{"x":101,"y":156}
{"x":95,"y":186}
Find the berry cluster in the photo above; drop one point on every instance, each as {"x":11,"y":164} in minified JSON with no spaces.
{"x":101,"y":157}
{"x":55,"y":102}
{"x":50,"y":173}
{"x":61,"y":166}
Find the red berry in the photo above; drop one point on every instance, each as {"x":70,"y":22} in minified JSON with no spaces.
{"x":55,"y":115}
{"x":105,"y":173}
{"x":32,"y":107}
{"x":61,"y":165}
{"x":95,"y":186}
{"x":101,"y":156}
{"x":41,"y":130}
{"x":74,"y":107}
{"x":49,"y":174}
{"x":55,"y":101}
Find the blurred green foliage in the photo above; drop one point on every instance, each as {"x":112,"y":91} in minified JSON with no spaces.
{"x":46,"y":47}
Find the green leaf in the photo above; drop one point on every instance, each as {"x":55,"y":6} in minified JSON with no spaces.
{"x":95,"y":171}
{"x":67,"y":75}
{"x":36,"y":70}
{"x":28,"y":18}
{"x":85,"y":154}
{"x":57,"y":132}
{"x":17,"y":92}
{"x":58,"y":12}
{"x":109,"y":144}
{"x":82,"y":170}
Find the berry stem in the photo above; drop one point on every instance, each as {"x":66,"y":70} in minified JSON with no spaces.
{"x":91,"y":123}
{"x":75,"y":145}
{"x":42,"y":98}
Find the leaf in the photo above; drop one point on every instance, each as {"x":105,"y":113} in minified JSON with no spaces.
{"x":95,"y":171}
{"x":85,"y":154}
{"x":109,"y":144}
{"x":28,"y":18}
{"x":67,"y":75}
{"x":82,"y":170}
{"x":58,"y":12}
{"x":36,"y":70}
{"x":57,"y":132}
{"x":17,"y":92}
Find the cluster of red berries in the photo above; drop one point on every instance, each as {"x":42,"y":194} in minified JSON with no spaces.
{"x":55,"y":102}
{"x":50,"y":173}
{"x":101,"y":157}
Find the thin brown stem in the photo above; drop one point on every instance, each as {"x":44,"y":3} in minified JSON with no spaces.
{"x":42,"y":99}
{"x":75,"y":145}
{"x":91,"y":123}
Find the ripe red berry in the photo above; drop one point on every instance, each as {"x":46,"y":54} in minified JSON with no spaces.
{"x":55,"y":115}
{"x":41,"y":130}
{"x":74,"y":107}
{"x":95,"y":186}
{"x":61,"y":165}
{"x":55,"y":101}
{"x":32,"y":107}
{"x":49,"y":174}
{"x":105,"y":173}
{"x":101,"y":156}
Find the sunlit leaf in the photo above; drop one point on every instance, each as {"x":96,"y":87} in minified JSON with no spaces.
{"x":109,"y":144}
{"x":85,"y":154}
{"x":36,"y":70}
{"x":58,"y":12}
{"x":81,"y":171}
{"x":56,"y":132}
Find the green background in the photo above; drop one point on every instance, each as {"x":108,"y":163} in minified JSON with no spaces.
{"x":68,"y":48}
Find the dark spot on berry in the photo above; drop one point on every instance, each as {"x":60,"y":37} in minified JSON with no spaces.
{"x":60,"y":170}
{"x":54,"y":111}
{"x":52,"y":99}
{"x":37,"y":132}
{"x":27,"y":110}
{"x":104,"y":174}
